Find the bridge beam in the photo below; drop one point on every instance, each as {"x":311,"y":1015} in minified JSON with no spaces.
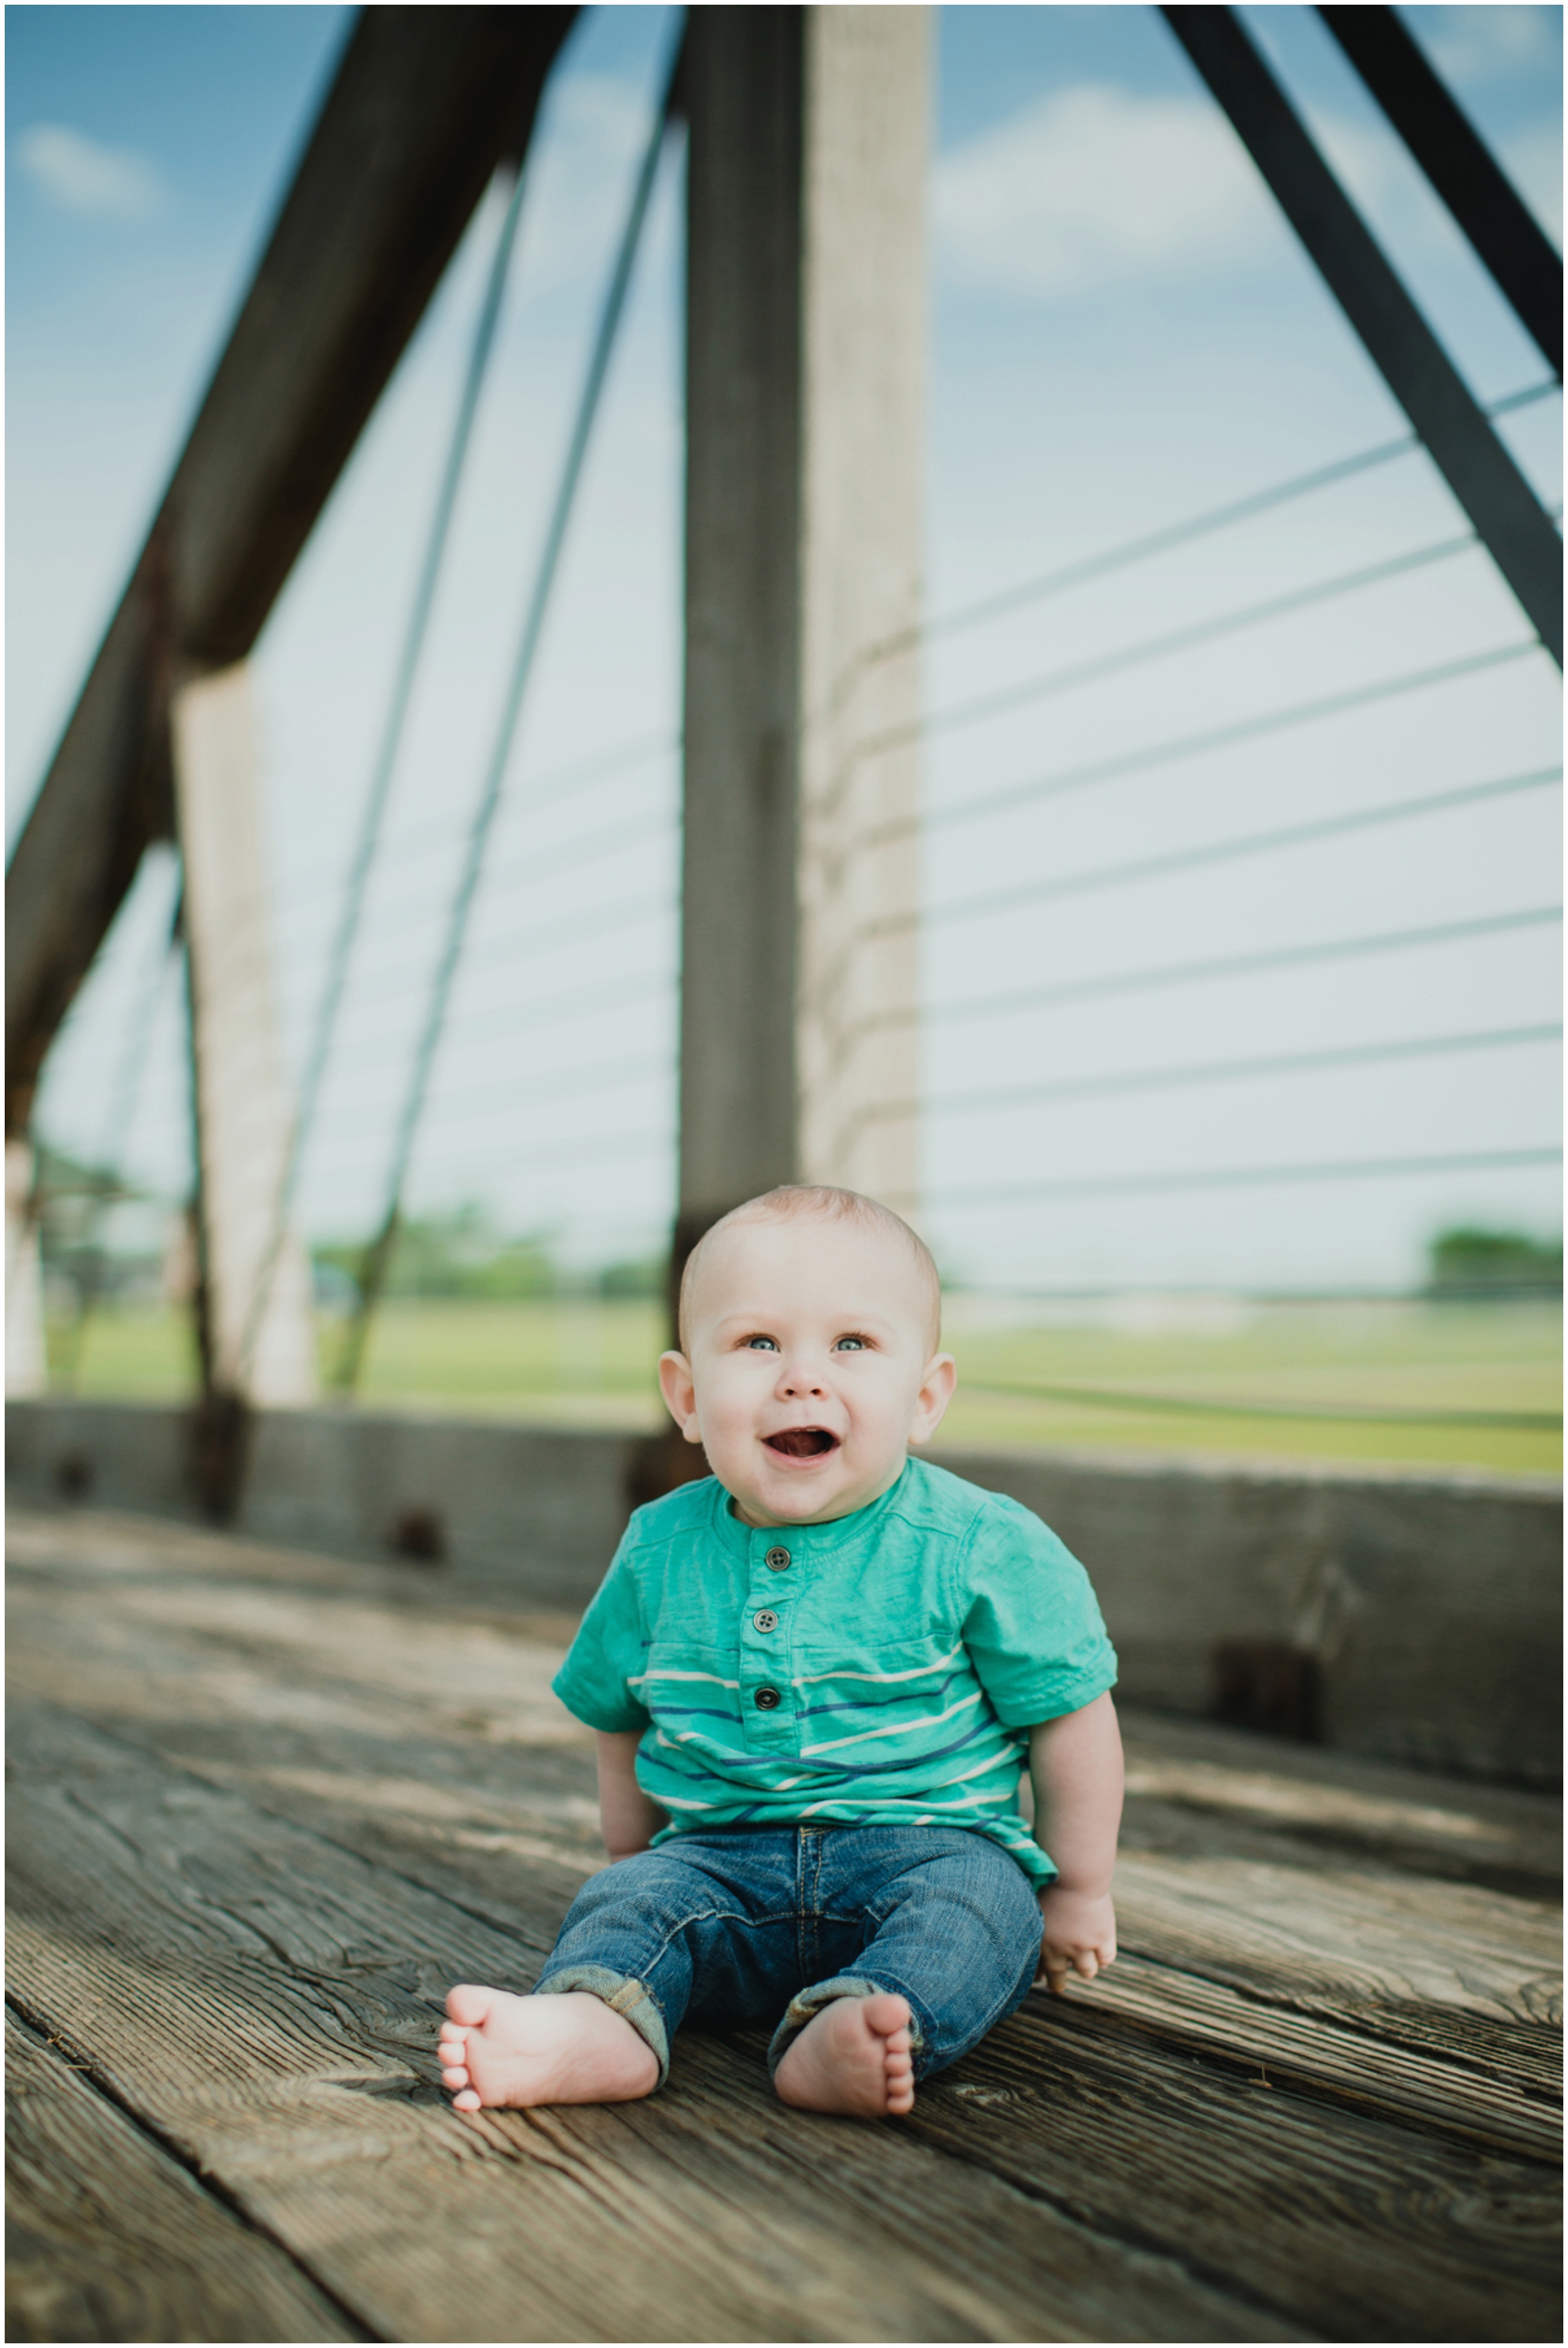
{"x":425,"y":103}
{"x":1504,"y":233}
{"x":1507,"y":516}
{"x":26,"y":1362}
{"x":806,"y":395}
{"x":257,"y":1349}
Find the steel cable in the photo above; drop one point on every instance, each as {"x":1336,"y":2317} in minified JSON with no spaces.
{"x":1215,"y":1072}
{"x":1177,"y":534}
{"x":1239,"y":1177}
{"x":382,"y":772}
{"x":378,"y":1254}
{"x":1222,"y":852}
{"x":1132,"y":982}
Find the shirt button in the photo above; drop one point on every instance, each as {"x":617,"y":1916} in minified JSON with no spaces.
{"x":767,"y":1699}
{"x":766,"y":1619}
{"x":778,"y":1559}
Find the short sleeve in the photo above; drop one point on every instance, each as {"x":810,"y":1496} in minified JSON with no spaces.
{"x":1031,"y":1625}
{"x":606,"y":1659}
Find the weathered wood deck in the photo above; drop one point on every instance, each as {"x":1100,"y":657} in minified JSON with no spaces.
{"x":265,"y":1806}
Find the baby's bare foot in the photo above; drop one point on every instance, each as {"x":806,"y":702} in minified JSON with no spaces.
{"x":852,"y":2056}
{"x":496,"y":2048}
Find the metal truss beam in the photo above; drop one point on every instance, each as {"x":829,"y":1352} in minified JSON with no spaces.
{"x":425,"y":103}
{"x":1508,"y":518}
{"x":1505,"y":233}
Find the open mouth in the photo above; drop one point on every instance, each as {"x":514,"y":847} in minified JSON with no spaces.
{"x":802,"y":1442}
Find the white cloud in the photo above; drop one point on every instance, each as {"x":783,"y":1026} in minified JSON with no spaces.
{"x":1093,"y":184}
{"x":1479,"y":44}
{"x":78,"y":175}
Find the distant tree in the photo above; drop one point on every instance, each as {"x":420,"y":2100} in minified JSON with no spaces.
{"x":521,"y":1267}
{"x":641,"y":1276}
{"x":71,"y":1202}
{"x":458,"y":1254}
{"x":1467,"y":1261}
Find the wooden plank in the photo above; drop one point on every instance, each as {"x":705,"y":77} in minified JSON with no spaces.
{"x":94,"y":1545}
{"x":267,"y":1687}
{"x":1469,"y":2102}
{"x":1528,"y":2054}
{"x":723,"y":2122}
{"x":108,"y":2237}
{"x":426,"y":1743}
{"x":1187,"y":1777}
{"x":452,"y":1773}
{"x":505,"y":1859}
{"x":468,"y":1774}
{"x":201,"y":1592}
{"x":1223,"y":1783}
{"x":425,"y":103}
{"x":1363,"y":2229}
{"x":267,"y":2002}
{"x":1341,"y":1938}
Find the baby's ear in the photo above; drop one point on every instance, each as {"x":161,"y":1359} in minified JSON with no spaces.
{"x":941,"y":1375}
{"x":679,"y":1390}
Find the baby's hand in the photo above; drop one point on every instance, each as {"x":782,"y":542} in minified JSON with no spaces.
{"x":1077,"y":1935}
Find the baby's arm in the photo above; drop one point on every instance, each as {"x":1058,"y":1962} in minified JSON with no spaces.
{"x":1075,"y":1769}
{"x":628,"y":1819}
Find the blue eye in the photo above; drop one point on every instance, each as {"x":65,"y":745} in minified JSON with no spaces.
{"x":761,"y":1345}
{"x":850,"y":1344}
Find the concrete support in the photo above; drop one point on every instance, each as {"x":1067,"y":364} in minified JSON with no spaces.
{"x":27,"y":1364}
{"x":867,"y":116}
{"x":806,"y":367}
{"x":243,"y":1105}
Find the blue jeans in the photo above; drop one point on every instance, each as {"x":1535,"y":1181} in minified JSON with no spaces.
{"x":732,"y":1928}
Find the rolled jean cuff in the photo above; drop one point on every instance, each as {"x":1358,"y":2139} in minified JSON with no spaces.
{"x":632,"y":1999}
{"x":810,"y":2003}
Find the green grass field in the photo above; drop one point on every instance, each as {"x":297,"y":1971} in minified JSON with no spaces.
{"x":1184,"y":1380}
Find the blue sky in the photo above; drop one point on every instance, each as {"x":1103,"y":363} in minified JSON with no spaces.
{"x":1125,"y":333}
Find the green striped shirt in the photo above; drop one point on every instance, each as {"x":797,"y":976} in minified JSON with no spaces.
{"x":882,"y":1670}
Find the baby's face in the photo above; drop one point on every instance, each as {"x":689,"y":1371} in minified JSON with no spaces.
{"x":808,"y":1369}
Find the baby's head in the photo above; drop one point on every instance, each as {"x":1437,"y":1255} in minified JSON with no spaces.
{"x":810,"y":1329}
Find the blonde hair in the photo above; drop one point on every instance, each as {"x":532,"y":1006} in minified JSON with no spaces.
{"x":819,"y":1202}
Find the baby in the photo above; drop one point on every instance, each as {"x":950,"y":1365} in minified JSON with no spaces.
{"x":816,"y":1678}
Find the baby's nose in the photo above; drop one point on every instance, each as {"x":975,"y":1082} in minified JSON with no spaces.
{"x":801,"y":1379}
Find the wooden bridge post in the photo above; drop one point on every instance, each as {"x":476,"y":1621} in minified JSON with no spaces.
{"x":805,"y":380}
{"x":27,"y":1369}
{"x":242,"y":1104}
{"x":863,"y":470}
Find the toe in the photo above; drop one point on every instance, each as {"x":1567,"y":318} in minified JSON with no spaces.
{"x":468,"y":2004}
{"x":454,"y":2075}
{"x":886,"y":2012}
{"x":468,"y":2101}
